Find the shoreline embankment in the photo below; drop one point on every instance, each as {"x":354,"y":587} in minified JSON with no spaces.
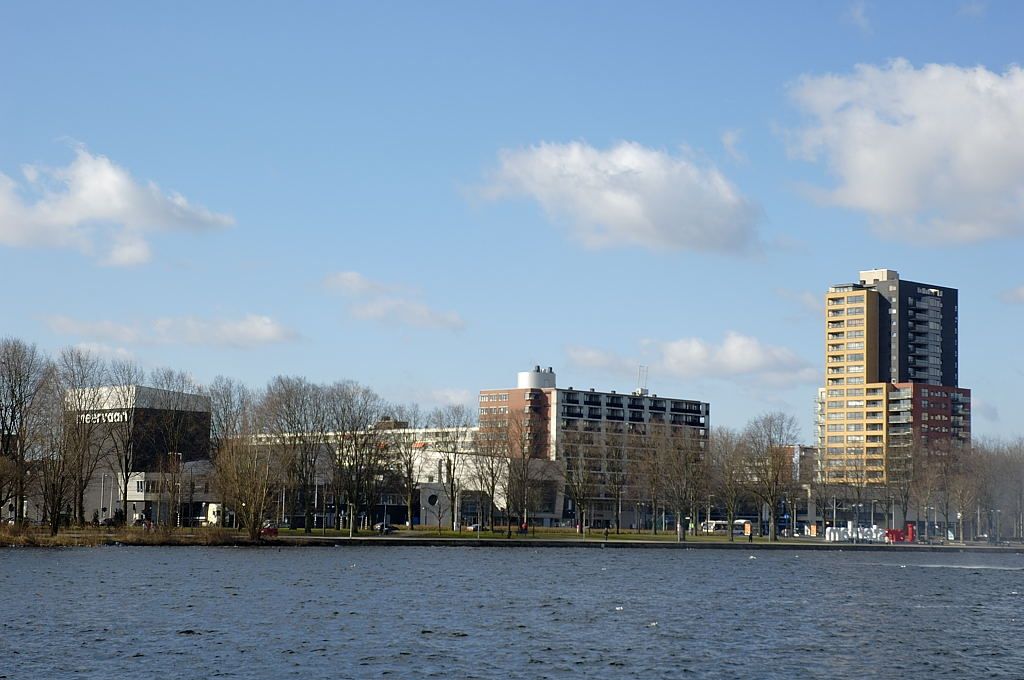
{"x":229,"y":539}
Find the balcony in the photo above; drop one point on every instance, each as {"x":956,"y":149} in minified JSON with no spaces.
{"x":657,"y":405}
{"x":592,"y":401}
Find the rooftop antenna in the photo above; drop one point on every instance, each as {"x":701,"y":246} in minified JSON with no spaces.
{"x":641,"y":380}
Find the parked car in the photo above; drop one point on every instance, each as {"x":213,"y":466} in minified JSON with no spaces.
{"x":478,"y":527}
{"x":382,"y":528}
{"x":269,"y":530}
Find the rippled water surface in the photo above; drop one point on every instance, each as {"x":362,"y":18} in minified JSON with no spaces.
{"x":365,"y":612}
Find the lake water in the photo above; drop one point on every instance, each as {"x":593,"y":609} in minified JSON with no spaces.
{"x":459,"y":612}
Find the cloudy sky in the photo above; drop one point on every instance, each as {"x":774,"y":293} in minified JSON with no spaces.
{"x":429,"y":197}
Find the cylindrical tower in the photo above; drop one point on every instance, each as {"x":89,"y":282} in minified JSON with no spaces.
{"x":538,"y":378}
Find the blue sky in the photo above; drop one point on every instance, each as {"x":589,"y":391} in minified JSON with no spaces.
{"x":429,"y":197}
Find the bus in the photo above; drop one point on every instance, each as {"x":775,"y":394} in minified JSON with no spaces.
{"x":740,"y":527}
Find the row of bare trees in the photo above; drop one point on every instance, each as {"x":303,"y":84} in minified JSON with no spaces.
{"x":661,"y":466}
{"x":51,"y":449}
{"x":294,"y":438}
{"x":970,"y":489}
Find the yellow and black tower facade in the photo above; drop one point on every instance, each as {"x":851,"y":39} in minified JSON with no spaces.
{"x":891,"y":376}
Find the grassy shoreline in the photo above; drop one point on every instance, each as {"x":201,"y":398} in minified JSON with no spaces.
{"x":36,"y":537}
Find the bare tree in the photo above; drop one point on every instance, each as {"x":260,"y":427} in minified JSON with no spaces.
{"x":8,"y":481}
{"x":680,"y":464}
{"x":617,"y":471}
{"x":52,"y":451}
{"x":80,"y":377}
{"x":769,"y":461}
{"x":119,"y":404}
{"x":451,"y":441}
{"x":361,"y":447}
{"x":580,"y":480}
{"x":966,"y":487}
{"x":174,"y":429}
{"x":489,"y":466}
{"x":406,"y":444}
{"x":902,"y":465}
{"x":22,"y":374}
{"x":522,"y":451}
{"x":728,"y":470}
{"x":231,"y":405}
{"x":650,"y":472}
{"x":925,"y":484}
{"x":247,"y":473}
{"x":294,"y":413}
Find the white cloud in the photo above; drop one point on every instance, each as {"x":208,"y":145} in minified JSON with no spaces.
{"x":1014,"y":296}
{"x":103,"y":350}
{"x":250,"y":331}
{"x":589,"y":357}
{"x":731,"y":142}
{"x":736,"y":357}
{"x":932,"y":154}
{"x":985,"y":409}
{"x":376,"y":301}
{"x":857,"y":14}
{"x":974,"y":9}
{"x":808,"y":302}
{"x":96,"y":207}
{"x":451,"y":396}
{"x":108,"y":331}
{"x":354,"y":283}
{"x":406,"y":312}
{"x":629,"y":195}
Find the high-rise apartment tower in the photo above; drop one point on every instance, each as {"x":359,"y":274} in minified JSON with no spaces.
{"x":891,"y":376}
